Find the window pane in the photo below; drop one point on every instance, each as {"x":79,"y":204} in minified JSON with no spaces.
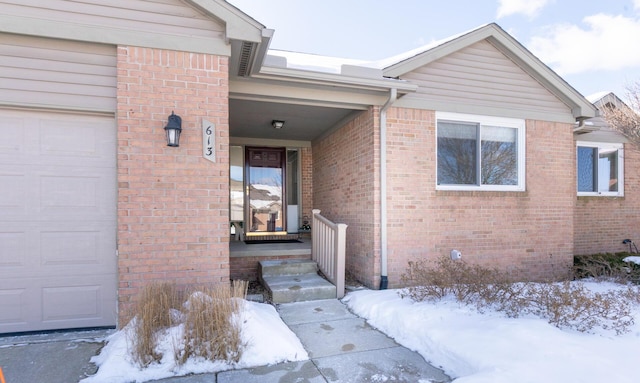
{"x":499,"y":150}
{"x":608,"y":170}
{"x":586,"y":169}
{"x":457,"y":158}
{"x":236,"y":188}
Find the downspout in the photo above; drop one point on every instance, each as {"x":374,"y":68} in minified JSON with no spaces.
{"x":393,"y":95}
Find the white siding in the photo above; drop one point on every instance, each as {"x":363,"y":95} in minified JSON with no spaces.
{"x":479,"y":78}
{"x":39,"y":72}
{"x":172,"y":17}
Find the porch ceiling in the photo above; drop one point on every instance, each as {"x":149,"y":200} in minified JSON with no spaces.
{"x":251,"y":118}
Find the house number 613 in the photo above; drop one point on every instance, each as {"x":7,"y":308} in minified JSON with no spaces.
{"x":208,"y":141}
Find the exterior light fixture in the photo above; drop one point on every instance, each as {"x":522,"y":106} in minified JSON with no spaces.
{"x":277,"y":124}
{"x":173,"y":129}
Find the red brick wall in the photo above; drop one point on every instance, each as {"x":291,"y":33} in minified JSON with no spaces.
{"x":346,"y":190}
{"x":601,"y":223}
{"x":307,"y":183}
{"x":528,"y":231}
{"x":173,"y":219}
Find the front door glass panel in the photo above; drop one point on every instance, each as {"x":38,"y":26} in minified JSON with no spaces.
{"x":265,"y":190}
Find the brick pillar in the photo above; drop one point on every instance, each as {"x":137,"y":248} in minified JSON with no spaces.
{"x":172,"y":203}
{"x":307,"y":183}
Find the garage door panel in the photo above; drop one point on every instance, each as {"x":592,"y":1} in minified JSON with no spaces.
{"x":13,"y":132}
{"x":53,"y":193}
{"x":85,"y":137}
{"x":13,"y":250}
{"x":57,"y":304}
{"x":13,"y":302}
{"x":57,"y":221}
{"x":70,"y":248}
{"x":85,"y":193}
{"x":78,"y":302}
{"x":44,"y":249}
{"x":69,"y":194}
{"x":88,"y":249}
{"x":57,"y":139}
{"x":13,"y":193}
{"x":71,"y":302}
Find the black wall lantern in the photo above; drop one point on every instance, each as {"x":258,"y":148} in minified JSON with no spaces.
{"x":173,"y":129}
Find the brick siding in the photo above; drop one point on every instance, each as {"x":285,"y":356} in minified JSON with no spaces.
{"x":307,"y":183}
{"x":529,"y":233}
{"x":173,"y":219}
{"x":346,"y":190}
{"x":602,"y":223}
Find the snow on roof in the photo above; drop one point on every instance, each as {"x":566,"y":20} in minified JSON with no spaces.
{"x":384,"y":63}
{"x":327,"y":64}
{"x":316,"y":63}
{"x":597,"y":96}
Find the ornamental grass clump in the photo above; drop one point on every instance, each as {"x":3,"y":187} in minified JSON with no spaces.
{"x":209,"y":319}
{"x":212,"y":326}
{"x":153,"y":313}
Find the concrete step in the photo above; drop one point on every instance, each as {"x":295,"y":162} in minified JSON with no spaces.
{"x":287,"y":267}
{"x":298,"y":288}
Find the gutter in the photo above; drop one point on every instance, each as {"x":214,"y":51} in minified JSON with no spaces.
{"x":393,"y":95}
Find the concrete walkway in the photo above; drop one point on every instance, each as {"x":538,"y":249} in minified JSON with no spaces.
{"x":50,"y":358}
{"x":342,"y":348}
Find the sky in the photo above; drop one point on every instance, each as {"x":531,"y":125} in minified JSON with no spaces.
{"x":593,"y":45}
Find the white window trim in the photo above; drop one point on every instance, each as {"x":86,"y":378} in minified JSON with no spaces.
{"x":516,"y":123}
{"x":604,"y":145}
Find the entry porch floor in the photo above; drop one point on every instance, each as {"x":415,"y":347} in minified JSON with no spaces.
{"x":241,"y":249}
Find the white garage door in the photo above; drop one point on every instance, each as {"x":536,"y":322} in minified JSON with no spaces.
{"x":57,"y":221}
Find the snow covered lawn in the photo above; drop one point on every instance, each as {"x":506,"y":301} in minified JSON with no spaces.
{"x":491,"y":348}
{"x":469,"y":346}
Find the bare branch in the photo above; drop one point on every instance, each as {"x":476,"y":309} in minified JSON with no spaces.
{"x":625,"y":119}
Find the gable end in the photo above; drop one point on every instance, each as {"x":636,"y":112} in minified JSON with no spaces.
{"x":190,"y":26}
{"x":479,"y":79}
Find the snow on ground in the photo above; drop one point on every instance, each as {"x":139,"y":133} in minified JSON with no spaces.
{"x":632,"y":259}
{"x":482,"y":348}
{"x":268,"y":339}
{"x":469,"y":346}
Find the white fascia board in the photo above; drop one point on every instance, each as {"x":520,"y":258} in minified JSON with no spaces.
{"x":108,"y":35}
{"x":239,"y":25}
{"x":262,"y":49}
{"x":607,"y":136}
{"x":294,"y":94}
{"x":319,"y":78}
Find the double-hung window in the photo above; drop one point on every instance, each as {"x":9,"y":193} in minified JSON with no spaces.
{"x":600,"y":169}
{"x":480,"y":152}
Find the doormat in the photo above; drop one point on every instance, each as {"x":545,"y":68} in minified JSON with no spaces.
{"x":258,"y":241}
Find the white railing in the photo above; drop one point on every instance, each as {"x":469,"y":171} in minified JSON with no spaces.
{"x":328,"y":241}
